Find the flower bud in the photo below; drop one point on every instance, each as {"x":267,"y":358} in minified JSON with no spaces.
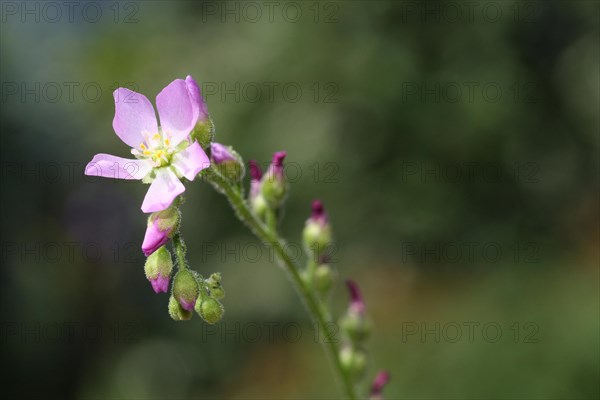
{"x":355,"y":324}
{"x":210,"y":309}
{"x":158,"y":269}
{"x":214,"y":285}
{"x":185,"y":289}
{"x":161,"y":225}
{"x":323,"y":278}
{"x":382,"y":379}
{"x":177,"y":312}
{"x":273,"y":184}
{"x":317,"y":232}
{"x":204,"y":131}
{"x":354,"y":361}
{"x":257,"y":201}
{"x":228,"y":161}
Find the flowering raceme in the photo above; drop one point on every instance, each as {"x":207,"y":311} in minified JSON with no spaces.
{"x":163,"y":155}
{"x":175,"y":151}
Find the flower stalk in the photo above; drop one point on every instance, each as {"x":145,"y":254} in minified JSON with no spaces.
{"x":269,"y":237}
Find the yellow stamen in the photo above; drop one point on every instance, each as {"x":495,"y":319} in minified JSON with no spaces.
{"x":167,"y":142}
{"x":156,"y":136}
{"x":147,"y":152}
{"x":143,"y":146}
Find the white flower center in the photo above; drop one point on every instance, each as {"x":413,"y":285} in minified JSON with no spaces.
{"x":156,"y":147}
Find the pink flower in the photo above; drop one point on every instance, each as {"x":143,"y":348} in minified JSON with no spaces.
{"x":163,"y":155}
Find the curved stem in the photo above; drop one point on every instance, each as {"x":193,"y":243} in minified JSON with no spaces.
{"x":270,"y":238}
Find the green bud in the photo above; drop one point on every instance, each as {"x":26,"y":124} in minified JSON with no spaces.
{"x":159,"y":262}
{"x":259,"y":205}
{"x":356,"y":327}
{"x":317,"y":237}
{"x":214,"y":284}
{"x":167,"y":219}
{"x":217,"y":292}
{"x":323,"y":278}
{"x":317,"y":231}
{"x":185,"y":289}
{"x":210,"y":309}
{"x":227,"y":161}
{"x":273,"y":191}
{"x":204,"y":133}
{"x":273,"y":184}
{"x":214,"y":279}
{"x":177,"y":312}
{"x":354,"y":361}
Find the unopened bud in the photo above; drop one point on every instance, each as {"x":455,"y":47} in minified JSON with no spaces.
{"x":185,"y":289}
{"x":228,"y":161}
{"x":354,"y":361}
{"x":257,"y":201}
{"x":204,"y":131}
{"x":273,"y":184}
{"x":317,"y":232}
{"x":210,"y":309}
{"x":323,"y":278}
{"x":382,"y":379}
{"x":158,"y":269}
{"x":214,"y":285}
{"x":355,"y":323}
{"x":161,"y":226}
{"x":177,"y":312}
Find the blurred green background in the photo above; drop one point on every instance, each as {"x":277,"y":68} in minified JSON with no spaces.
{"x":455,"y":146}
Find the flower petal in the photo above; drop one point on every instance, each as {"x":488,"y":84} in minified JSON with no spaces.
{"x":163,"y":190}
{"x":176,"y":111}
{"x":117,"y":167}
{"x":190,"y":161}
{"x":200,"y":108}
{"x":134,"y":114}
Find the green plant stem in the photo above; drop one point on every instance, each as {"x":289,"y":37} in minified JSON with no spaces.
{"x":179,"y":246}
{"x":270,"y":238}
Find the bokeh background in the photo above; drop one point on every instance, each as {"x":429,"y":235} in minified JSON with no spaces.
{"x":455,"y":145}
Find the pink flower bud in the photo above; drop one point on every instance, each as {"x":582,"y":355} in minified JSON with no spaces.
{"x":160,"y":226}
{"x":255,"y":177}
{"x":185,"y":289}
{"x":357,"y":304}
{"x":160,"y":284}
{"x":187,"y":305}
{"x":158,"y":268}
{"x":382,"y":379}
{"x":273,"y":185}
{"x":220,"y":153}
{"x":276,"y":167}
{"x":318,"y":212}
{"x":154,"y":238}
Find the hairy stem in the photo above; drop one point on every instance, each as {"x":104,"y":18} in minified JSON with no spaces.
{"x":270,"y":237}
{"x":179,"y":246}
